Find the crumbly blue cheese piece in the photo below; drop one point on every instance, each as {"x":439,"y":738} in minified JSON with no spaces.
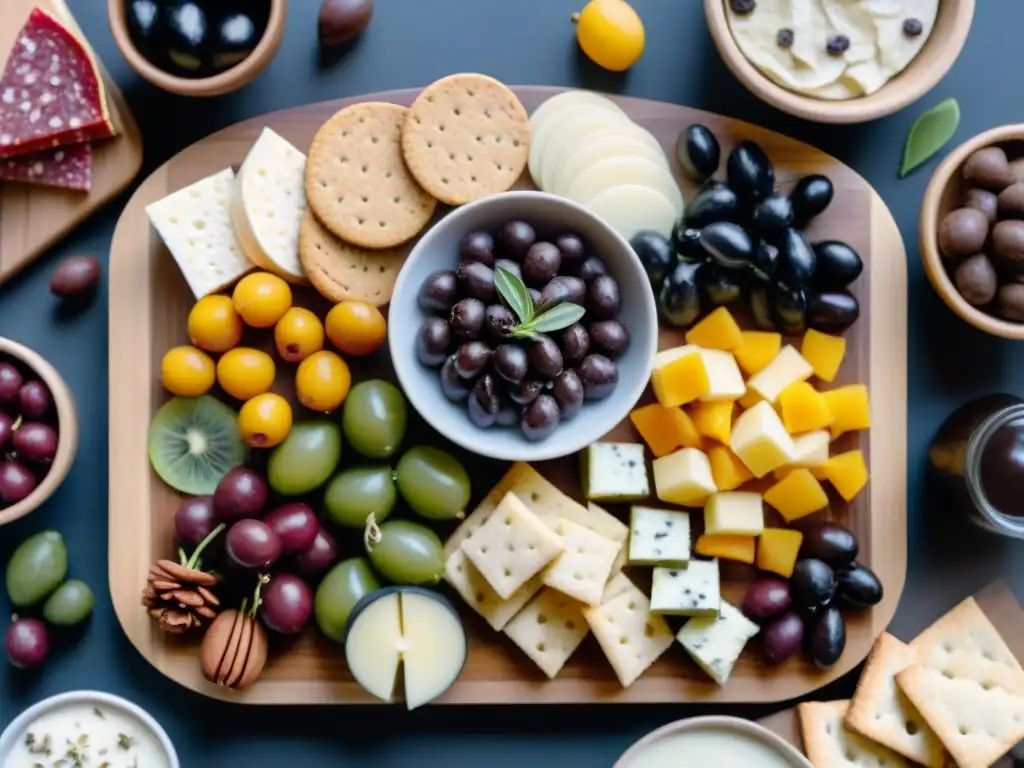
{"x":615,"y":472}
{"x":659,"y":537}
{"x":691,"y":591}
{"x":715,"y":642}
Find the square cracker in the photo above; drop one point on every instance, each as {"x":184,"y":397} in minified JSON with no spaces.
{"x":881,"y":711}
{"x":583,"y":569}
{"x":594,"y":518}
{"x":481,"y":597}
{"x":967,"y":686}
{"x":549,"y":629}
{"x":512,"y":546}
{"x":828,"y":744}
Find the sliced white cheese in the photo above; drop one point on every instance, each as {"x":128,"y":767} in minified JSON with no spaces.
{"x":435,"y":647}
{"x":553,"y":112}
{"x":631,"y":637}
{"x":374,"y":645}
{"x":715,"y":642}
{"x":616,"y":171}
{"x":631,"y":208}
{"x":615,"y":472}
{"x":562,"y":137}
{"x":734,"y":513}
{"x":690,"y":591}
{"x":620,"y":141}
{"x":787,"y":367}
{"x":659,"y":537}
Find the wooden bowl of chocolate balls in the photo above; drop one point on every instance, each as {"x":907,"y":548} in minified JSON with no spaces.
{"x":972,"y":231}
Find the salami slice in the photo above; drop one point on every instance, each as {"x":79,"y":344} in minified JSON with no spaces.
{"x":65,"y":167}
{"x":51,"y":93}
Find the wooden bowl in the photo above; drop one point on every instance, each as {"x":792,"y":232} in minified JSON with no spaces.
{"x":224,"y":82}
{"x":67,"y":426}
{"x":944,"y":193}
{"x":921,"y":75}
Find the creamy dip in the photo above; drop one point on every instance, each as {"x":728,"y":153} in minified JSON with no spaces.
{"x":87,"y":735}
{"x":708,"y":748}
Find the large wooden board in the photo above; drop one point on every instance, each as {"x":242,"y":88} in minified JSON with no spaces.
{"x":149,"y":303}
{"x":32,"y":218}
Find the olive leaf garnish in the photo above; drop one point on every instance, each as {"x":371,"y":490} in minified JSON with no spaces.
{"x":553,"y":317}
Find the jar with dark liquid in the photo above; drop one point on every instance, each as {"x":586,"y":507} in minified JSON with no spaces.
{"x":977,"y":459}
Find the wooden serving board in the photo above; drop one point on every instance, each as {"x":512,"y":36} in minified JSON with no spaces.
{"x":149,"y":304}
{"x":32,"y":218}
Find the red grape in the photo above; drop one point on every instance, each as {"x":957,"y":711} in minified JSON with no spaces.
{"x":241,"y":493}
{"x":35,"y":441}
{"x":252,"y":544}
{"x":34,"y":399}
{"x":296,"y":525}
{"x":6,"y":422}
{"x":27,"y":642}
{"x":320,"y":556}
{"x":10,"y":383}
{"x":16,"y":482}
{"x":287,"y":604}
{"x":194,"y":520}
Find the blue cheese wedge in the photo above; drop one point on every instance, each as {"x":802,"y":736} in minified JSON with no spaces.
{"x":615,"y":472}
{"x":715,"y":642}
{"x":659,"y":537}
{"x":691,"y":591}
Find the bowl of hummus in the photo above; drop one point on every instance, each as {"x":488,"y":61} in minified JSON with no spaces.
{"x":839,"y":61}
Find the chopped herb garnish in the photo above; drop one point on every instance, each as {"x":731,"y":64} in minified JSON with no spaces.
{"x":98,"y":712}
{"x":124,"y":741}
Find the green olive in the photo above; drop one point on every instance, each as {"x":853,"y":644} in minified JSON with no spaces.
{"x":36,"y":568}
{"x":343,"y":586}
{"x":407,"y":553}
{"x":374,"y":418}
{"x":433,"y":483}
{"x":358,"y":492}
{"x":71,"y":604}
{"x":306,"y":458}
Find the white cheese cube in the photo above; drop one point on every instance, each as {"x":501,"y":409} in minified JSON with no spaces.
{"x":811,"y":449}
{"x":615,"y":472}
{"x":715,"y":642}
{"x":736,"y":513}
{"x":691,"y":591}
{"x":659,"y":537}
{"x":724,"y":376}
{"x":760,"y":440}
{"x":684,"y":477}
{"x":788,"y":366}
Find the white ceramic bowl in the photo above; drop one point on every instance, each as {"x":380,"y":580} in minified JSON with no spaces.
{"x":15,"y":732}
{"x":439,"y":249}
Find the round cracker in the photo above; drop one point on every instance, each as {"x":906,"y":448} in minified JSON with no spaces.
{"x":466,"y":136}
{"x":341,"y":271}
{"x":357,"y":183}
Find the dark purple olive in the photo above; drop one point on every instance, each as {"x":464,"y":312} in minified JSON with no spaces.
{"x":728,"y":244}
{"x":797,"y":261}
{"x":438,"y":292}
{"x":319,"y":557}
{"x":714,"y":202}
{"x":773,"y":214}
{"x":471,"y":358}
{"x":567,"y":389}
{"x":657,"y":256}
{"x":509,"y":266}
{"x":698,"y":152}
{"x":783,"y":637}
{"x":467,"y":318}
{"x":838,"y":265}
{"x":832,"y":312}
{"x":75,"y":277}
{"x":541,"y":263}
{"x":6,"y":429}
{"x":810,"y":197}
{"x":508,"y":415}
{"x":562,"y":288}
{"x":34,"y":399}
{"x":609,"y":337}
{"x":241,"y":493}
{"x":574,"y":252}
{"x":286,"y":604}
{"x":454,"y":387}
{"x":35,"y":441}
{"x":432,"y":341}
{"x":476,"y":281}
{"x":296,"y":525}
{"x":545,"y":357}
{"x":27,"y":642}
{"x":766,"y":598}
{"x":789,"y":306}
{"x":750,"y":172}
{"x":16,"y":481}
{"x":252,"y":544}
{"x":498,"y":320}
{"x":525,"y":392}
{"x":10,"y":383}
{"x":599,"y":376}
{"x":828,"y":637}
{"x":859,"y":586}
{"x":477,"y":246}
{"x":591,"y":268}
{"x":603,"y":301}
{"x":340,"y":21}
{"x":515,"y":239}
{"x":679,"y":300}
{"x":194,"y":520}
{"x":813,"y":585}
{"x":831,"y":543}
{"x":540,"y":418}
{"x":510,"y":362}
{"x":760,"y":308}
{"x":574,"y":342}
{"x":484,"y":402}
{"x":686,"y":241}
{"x":717,"y":286}
{"x":766,"y":260}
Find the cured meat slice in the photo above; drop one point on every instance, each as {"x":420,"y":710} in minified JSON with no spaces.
{"x":51,"y":92}
{"x":67,"y":167}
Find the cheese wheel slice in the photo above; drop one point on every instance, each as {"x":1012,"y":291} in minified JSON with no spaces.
{"x":631,"y":140}
{"x":632,"y":208}
{"x":565,"y":135}
{"x":617,"y":171}
{"x":570,"y":100}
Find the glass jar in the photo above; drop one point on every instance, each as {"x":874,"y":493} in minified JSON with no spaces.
{"x":977,"y":459}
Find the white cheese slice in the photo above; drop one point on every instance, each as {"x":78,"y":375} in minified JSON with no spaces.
{"x":616,"y":171}
{"x":787,"y":367}
{"x":461,"y":574}
{"x":195,"y":225}
{"x":690,"y":591}
{"x":434,"y":646}
{"x":630,"y":208}
{"x":659,"y":537}
{"x":561,"y":137}
{"x":615,"y":472}
{"x":374,"y":645}
{"x":715,"y":642}
{"x":582,"y":570}
{"x":620,"y":141}
{"x":546,"y":119}
{"x":631,"y":637}
{"x":734,"y":513}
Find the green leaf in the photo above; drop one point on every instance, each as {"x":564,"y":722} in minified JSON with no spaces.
{"x":929,"y":134}
{"x":558,"y":317}
{"x":514,"y":291}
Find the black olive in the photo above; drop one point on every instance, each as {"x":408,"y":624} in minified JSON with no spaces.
{"x":812,"y":585}
{"x":656,"y":254}
{"x":471,"y":358}
{"x":714,"y":202}
{"x":525,"y":392}
{"x":575,"y":343}
{"x":476,"y":280}
{"x":508,"y":415}
{"x":686,"y":241}
{"x":859,"y":586}
{"x":467,"y":318}
{"x":144,"y":23}
{"x":562,"y":288}
{"x":750,"y":172}
{"x":591,"y":268}
{"x":236,"y":36}
{"x":831,"y":542}
{"x":603,"y":299}
{"x":698,"y":152}
{"x":510,"y":362}
{"x":574,"y":252}
{"x":515,"y":238}
{"x":484,"y":402}
{"x":790,"y":308}
{"x":477,"y":246}
{"x":832,"y":311}
{"x":540,"y":418}
{"x":567,"y":389}
{"x":773,"y":213}
{"x":188,"y":36}
{"x":679,"y":299}
{"x":760,"y":309}
{"x":545,"y":357}
{"x":609,"y":337}
{"x":498,"y":319}
{"x":541,"y":263}
{"x":810,"y":197}
{"x":828,"y":637}
{"x":432,"y":341}
{"x":766,"y":260}
{"x":455,"y":387}
{"x":438,"y":292}
{"x":599,"y":376}
{"x":838,"y":265}
{"x":729,"y":245}
{"x":718,"y":286}
{"x":797,"y":261}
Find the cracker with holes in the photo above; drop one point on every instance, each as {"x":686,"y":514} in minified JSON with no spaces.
{"x":467,"y":136}
{"x":882,"y":712}
{"x":549,"y":629}
{"x":596,"y":519}
{"x":828,"y":744}
{"x":631,"y":637}
{"x":357,"y":183}
{"x":512,"y":546}
{"x":583,"y":569}
{"x":967,"y":685}
{"x":463,"y":576}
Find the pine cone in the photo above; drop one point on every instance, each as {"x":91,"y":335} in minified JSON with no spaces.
{"x":179,"y":597}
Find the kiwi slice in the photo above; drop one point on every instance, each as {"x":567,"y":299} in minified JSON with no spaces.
{"x":193,"y":442}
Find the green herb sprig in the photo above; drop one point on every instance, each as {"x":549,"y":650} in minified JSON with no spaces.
{"x":551,"y":318}
{"x":929,"y":134}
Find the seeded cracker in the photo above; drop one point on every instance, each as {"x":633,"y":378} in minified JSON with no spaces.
{"x":357,"y":183}
{"x":829,"y":745}
{"x":467,"y":136}
{"x":481,"y":597}
{"x":582,"y":571}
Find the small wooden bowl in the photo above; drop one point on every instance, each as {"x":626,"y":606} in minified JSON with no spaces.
{"x":67,"y":427}
{"x":944,"y":193}
{"x":921,"y":75}
{"x":221,"y":83}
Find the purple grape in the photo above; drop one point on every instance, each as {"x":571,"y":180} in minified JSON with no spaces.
{"x":34,"y":399}
{"x":6,"y":424}
{"x":319,"y":557}
{"x":35,"y":441}
{"x":194,"y":520}
{"x":16,"y":482}
{"x":252,"y":544}
{"x":10,"y":384}
{"x":27,"y":642}
{"x":295,"y":525}
{"x":287,"y":604}
{"x":241,"y":493}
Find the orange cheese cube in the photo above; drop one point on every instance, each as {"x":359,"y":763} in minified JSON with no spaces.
{"x":739,"y":548}
{"x":756,"y":350}
{"x":749,"y":399}
{"x":714,"y":420}
{"x":681,"y":380}
{"x":656,"y":426}
{"x":797,"y":495}
{"x":689,"y":437}
{"x":848,"y":473}
{"x":727,"y":470}
{"x":716,"y":331}
{"x":803,"y":408}
{"x":825,"y":353}
{"x":777,"y":549}
{"x":850,"y":408}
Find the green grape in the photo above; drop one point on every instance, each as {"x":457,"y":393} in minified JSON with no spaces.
{"x":356,"y":493}
{"x":407,"y":553}
{"x":37,"y":567}
{"x":433,"y":483}
{"x":71,"y":604}
{"x":343,"y":586}
{"x":374,"y":418}
{"x":306,"y":458}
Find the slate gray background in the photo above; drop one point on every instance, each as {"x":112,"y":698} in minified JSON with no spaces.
{"x":410,"y":43}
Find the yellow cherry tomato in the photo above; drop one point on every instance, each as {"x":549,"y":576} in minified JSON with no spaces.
{"x":265,"y":420}
{"x":322,"y":381}
{"x":262,"y":299}
{"x":187,"y":371}
{"x":214,"y":324}
{"x":298,"y":334}
{"x":356,"y":328}
{"x":610,"y":33}
{"x":244,"y":372}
